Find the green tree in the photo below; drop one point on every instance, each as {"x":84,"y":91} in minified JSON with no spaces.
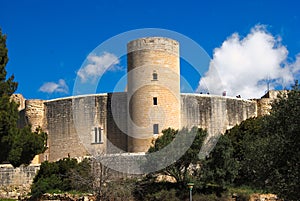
{"x":179,"y":169}
{"x":249,"y":142}
{"x":55,"y":176}
{"x":220,"y":168}
{"x":284,"y":129}
{"x":17,"y":146}
{"x":268,"y":148}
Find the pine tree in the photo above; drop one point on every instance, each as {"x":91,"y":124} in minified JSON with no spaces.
{"x":17,"y":146}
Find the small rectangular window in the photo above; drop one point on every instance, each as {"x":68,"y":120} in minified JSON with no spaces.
{"x":155,"y":129}
{"x":154,"y":100}
{"x":154,"y":75}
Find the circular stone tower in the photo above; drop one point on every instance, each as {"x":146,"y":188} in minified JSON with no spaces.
{"x":153,"y":93}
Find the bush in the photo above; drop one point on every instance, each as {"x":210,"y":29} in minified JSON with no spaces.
{"x":44,"y":185}
{"x":57,"y":176}
{"x":210,"y":197}
{"x":163,"y":195}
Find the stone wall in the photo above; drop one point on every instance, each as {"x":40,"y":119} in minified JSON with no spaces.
{"x":35,"y":113}
{"x":71,"y":123}
{"x":20,"y":100}
{"x":264,"y":104}
{"x":117,"y":123}
{"x":15,"y":182}
{"x":215,"y":113}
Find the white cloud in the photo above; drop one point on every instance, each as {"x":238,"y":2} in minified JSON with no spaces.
{"x":295,"y":67}
{"x":52,"y":87}
{"x":97,"y":65}
{"x":242,"y":66}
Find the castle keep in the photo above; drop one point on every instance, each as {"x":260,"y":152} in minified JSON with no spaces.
{"x":128,"y":121}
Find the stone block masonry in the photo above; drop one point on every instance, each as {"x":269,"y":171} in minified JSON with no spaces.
{"x":117,"y":123}
{"x":153,"y":73}
{"x":215,"y":113}
{"x":70,"y":119}
{"x":17,"y":176}
{"x":73,"y":123}
{"x":15,"y":182}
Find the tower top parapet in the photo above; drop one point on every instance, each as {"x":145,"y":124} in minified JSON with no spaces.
{"x":154,"y":43}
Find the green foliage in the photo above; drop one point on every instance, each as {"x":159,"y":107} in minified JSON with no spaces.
{"x":146,"y":190}
{"x":58,"y":176}
{"x":167,"y":137}
{"x":220,"y":168}
{"x":268,"y":148}
{"x":246,"y":138}
{"x":284,"y":127}
{"x":162,"y":195}
{"x":156,"y":191}
{"x":26,"y":145}
{"x":17,"y":146}
{"x":179,"y":169}
{"x":119,"y":190}
{"x":244,"y":192}
{"x":7,"y":87}
{"x":209,"y":197}
{"x":44,"y":185}
{"x":80,"y":177}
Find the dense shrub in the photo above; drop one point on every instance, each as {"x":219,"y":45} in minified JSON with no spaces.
{"x":163,"y":195}
{"x":58,"y":176}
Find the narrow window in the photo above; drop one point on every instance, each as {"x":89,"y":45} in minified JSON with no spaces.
{"x":98,"y":135}
{"x":154,"y":100}
{"x":155,"y":129}
{"x":154,"y":75}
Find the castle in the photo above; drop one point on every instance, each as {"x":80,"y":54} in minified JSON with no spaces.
{"x":128,"y":121}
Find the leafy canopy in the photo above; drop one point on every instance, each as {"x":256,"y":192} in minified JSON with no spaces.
{"x":179,"y":169}
{"x":268,"y":148}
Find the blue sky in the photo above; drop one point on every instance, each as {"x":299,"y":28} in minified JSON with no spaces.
{"x":48,"y":41}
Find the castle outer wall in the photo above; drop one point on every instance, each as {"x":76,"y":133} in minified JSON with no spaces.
{"x":215,"y":113}
{"x":81,"y":126}
{"x":71,"y":122}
